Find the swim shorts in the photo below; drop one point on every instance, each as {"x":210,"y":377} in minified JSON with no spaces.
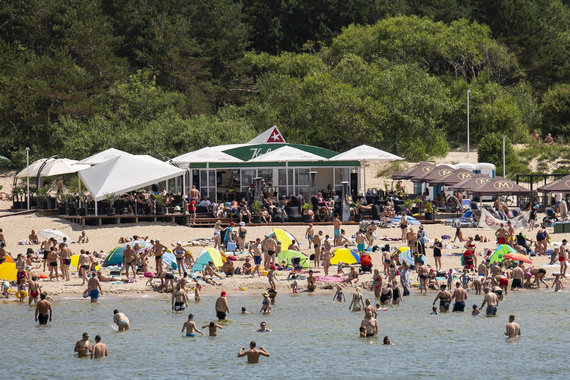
{"x":46,"y":253}
{"x":179,"y":306}
{"x":504,"y":282}
{"x":94,"y":293}
{"x":336,"y":232}
{"x":517,"y":283}
{"x":53,"y":264}
{"x":34,"y":294}
{"x":43,"y":319}
{"x":502,"y":240}
{"x":491,"y":311}
{"x":459,"y":306}
{"x":361,"y":247}
{"x":257,"y":260}
{"x":270,"y":252}
{"x":221,"y":315}
{"x":191,"y":335}
{"x":67,"y":261}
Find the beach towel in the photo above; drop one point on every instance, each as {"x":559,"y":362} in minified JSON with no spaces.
{"x":329,"y":279}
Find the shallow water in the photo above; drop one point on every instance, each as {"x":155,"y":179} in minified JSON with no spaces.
{"x":312,"y":338}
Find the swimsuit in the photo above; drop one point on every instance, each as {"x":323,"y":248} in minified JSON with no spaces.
{"x":46,"y":253}
{"x":336,"y":232}
{"x":360,"y":247}
{"x":270,"y":252}
{"x":34,"y":293}
{"x":53,"y":264}
{"x":504,"y":282}
{"x":179,"y":306}
{"x":444,"y":303}
{"x":561,"y":258}
{"x":190,"y":335}
{"x":517,"y":283}
{"x":491,"y":310}
{"x":543,"y":271}
{"x":43,"y":319}
{"x":94,"y":293}
{"x":396,"y":293}
{"x":257,"y":260}
{"x":459,"y":306}
{"x":423,"y":276}
{"x":384,"y":297}
{"x":221,"y":315}
{"x":502,"y":240}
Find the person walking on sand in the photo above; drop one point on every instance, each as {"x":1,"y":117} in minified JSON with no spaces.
{"x":513,"y":330}
{"x":222,"y":307}
{"x":460,"y":296}
{"x":404,"y":227}
{"x":336,"y":226}
{"x":52,"y":263}
{"x":253,"y":354}
{"x":94,"y":288}
{"x":309,"y":234}
{"x":43,"y":310}
{"x":83,"y":346}
{"x":255,"y":252}
{"x":190,"y":327}
{"x":65,"y":256}
{"x":99,"y":350}
{"x":158,"y":250}
{"x":130,"y":260}
{"x":84,"y":263}
{"x":121,"y":320}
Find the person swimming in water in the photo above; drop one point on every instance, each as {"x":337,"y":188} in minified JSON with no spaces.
{"x":213,"y":328}
{"x":253,"y":353}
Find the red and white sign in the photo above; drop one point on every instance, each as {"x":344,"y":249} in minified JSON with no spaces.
{"x":275,"y":136}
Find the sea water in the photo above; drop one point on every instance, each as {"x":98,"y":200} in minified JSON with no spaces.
{"x":312,"y":337}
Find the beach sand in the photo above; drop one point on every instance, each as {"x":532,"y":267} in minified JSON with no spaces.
{"x":106,"y":237}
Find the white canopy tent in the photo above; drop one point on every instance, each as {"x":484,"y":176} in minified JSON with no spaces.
{"x":126,"y":173}
{"x":103,"y":156}
{"x":53,"y":166}
{"x":287,"y":154}
{"x":365,"y":153}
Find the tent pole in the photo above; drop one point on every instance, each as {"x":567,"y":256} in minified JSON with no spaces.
{"x":79,"y":188}
{"x":286,"y":178}
{"x":363,"y":163}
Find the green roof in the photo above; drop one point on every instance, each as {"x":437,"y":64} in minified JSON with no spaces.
{"x":248,"y":152}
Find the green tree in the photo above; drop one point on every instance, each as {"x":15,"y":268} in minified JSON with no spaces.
{"x":490,"y":149}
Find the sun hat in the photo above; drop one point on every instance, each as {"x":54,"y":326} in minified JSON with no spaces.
{"x":242,"y":224}
{"x":179,"y":242}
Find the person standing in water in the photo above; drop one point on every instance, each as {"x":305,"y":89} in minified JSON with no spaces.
{"x":370,"y":325}
{"x":94,"y":288}
{"x":99,"y":350}
{"x":253,"y":354}
{"x":460,"y":296}
{"x":222,"y":307}
{"x":357,"y":304}
{"x":444,"y":298}
{"x":83,"y":346}
{"x":513,"y":330}
{"x":43,"y":310}
{"x":492,"y":301}
{"x":213,"y":328}
{"x":190,"y":327}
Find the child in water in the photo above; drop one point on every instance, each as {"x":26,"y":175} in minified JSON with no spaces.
{"x":475,"y":311}
{"x":197,"y":291}
{"x":557,"y":284}
{"x":339,"y":295}
{"x":294,"y":284}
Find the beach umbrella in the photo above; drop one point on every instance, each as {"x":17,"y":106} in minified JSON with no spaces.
{"x":9,"y":259}
{"x":284,"y":237}
{"x":500,"y":252}
{"x":561,"y":185}
{"x":411,"y":220}
{"x":115,"y":256}
{"x":52,"y":233}
{"x":103,"y":156}
{"x":471,"y":183}
{"x":517,"y":257}
{"x":170,"y":259}
{"x":206,"y":155}
{"x":8,"y":271}
{"x":500,"y":186}
{"x":288,"y":255}
{"x":419,"y":169}
{"x":208,"y":254}
{"x":456,"y":176}
{"x":405,"y":254}
{"x":53,"y":166}
{"x":438,"y":172}
{"x":345,"y":255}
{"x":75,"y":262}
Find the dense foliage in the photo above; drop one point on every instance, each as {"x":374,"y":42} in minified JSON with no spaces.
{"x":166,"y":77}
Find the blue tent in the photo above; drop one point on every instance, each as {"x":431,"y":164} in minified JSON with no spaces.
{"x":115,"y":256}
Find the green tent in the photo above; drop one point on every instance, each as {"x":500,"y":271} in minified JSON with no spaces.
{"x":502,"y":250}
{"x":288,"y":256}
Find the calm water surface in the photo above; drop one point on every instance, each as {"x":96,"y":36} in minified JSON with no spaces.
{"x":312,"y":338}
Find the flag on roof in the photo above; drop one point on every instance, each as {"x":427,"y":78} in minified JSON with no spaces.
{"x":270,"y":136}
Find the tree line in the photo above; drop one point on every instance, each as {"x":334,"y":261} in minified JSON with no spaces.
{"x":167,"y":77}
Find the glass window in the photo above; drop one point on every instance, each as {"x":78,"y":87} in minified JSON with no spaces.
{"x":266,"y":174}
{"x":247,"y":176}
{"x":282,"y":183}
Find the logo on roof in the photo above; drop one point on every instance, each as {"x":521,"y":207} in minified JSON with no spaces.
{"x":275,"y":136}
{"x":503,"y":185}
{"x":463,"y":176}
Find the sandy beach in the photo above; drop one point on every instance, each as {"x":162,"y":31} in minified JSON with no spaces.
{"x":106,"y":238}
